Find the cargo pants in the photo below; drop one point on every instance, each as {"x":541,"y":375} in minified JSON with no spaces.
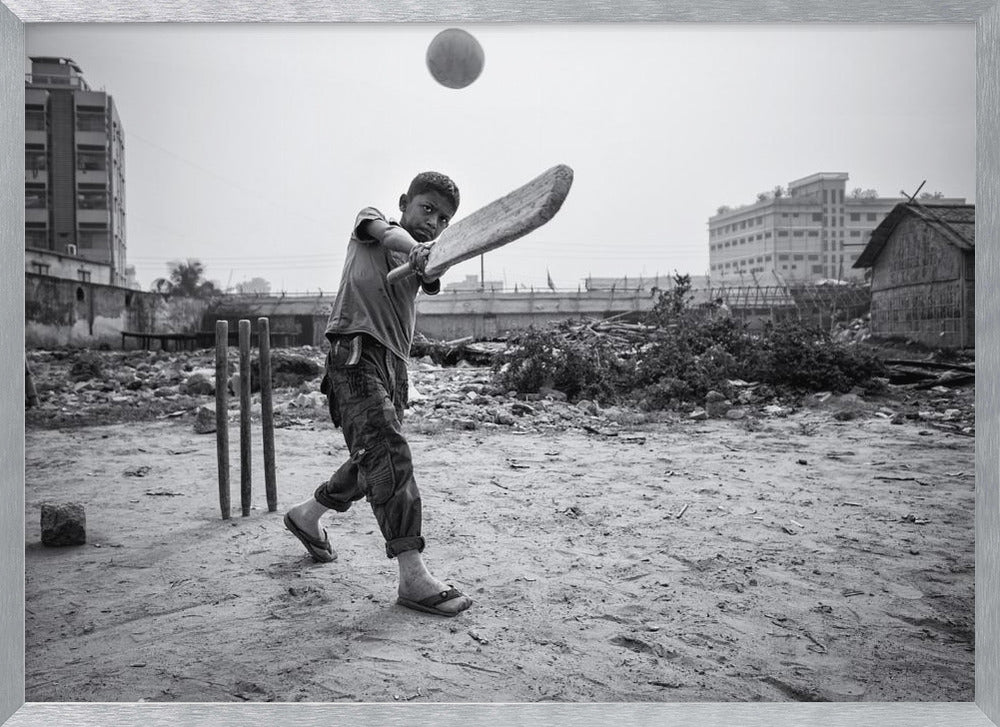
{"x":366,"y":388}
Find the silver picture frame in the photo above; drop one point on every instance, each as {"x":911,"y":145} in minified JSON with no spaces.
{"x":984,"y":712}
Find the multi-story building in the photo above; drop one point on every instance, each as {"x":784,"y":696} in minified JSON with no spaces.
{"x":74,"y":176}
{"x":812,"y":231}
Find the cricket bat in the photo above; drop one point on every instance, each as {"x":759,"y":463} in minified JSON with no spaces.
{"x":502,"y":221}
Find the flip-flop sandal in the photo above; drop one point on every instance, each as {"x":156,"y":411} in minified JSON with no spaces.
{"x":430,"y":604}
{"x":320,"y":550}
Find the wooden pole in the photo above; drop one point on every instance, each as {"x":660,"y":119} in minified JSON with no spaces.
{"x":222,"y":412}
{"x":266,"y":412}
{"x":245,"y":448}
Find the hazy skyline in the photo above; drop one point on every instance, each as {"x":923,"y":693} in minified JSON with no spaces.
{"x":251,"y":147}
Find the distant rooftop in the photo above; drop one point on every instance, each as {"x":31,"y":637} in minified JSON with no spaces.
{"x":955,"y":222}
{"x":55,"y":71}
{"x":819,"y":177}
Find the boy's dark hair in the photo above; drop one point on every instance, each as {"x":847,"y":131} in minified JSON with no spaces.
{"x":434,"y":182}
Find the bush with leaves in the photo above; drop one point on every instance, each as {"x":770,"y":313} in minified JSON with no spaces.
{"x":804,"y":357}
{"x":574,"y":361}
{"x":691,"y":357}
{"x":689,"y":352}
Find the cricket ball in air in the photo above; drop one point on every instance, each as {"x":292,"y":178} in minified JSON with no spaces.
{"x":455,"y":58}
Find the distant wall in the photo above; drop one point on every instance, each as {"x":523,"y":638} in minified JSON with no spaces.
{"x":60,"y":312}
{"x":456,"y":314}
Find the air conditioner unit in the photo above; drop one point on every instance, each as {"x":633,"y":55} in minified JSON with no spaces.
{"x":70,"y":249}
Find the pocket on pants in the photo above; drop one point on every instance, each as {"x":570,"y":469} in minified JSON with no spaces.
{"x":345,"y":352}
{"x":377,"y":473}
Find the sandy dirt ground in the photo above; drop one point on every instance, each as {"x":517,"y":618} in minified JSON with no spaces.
{"x":776,"y":559}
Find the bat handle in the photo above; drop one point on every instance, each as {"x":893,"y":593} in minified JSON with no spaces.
{"x":398,"y":273}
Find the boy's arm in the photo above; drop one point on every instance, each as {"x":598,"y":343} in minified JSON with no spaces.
{"x":397,"y":239}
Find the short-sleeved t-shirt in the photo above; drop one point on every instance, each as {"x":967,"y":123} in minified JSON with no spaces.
{"x":366,"y":302}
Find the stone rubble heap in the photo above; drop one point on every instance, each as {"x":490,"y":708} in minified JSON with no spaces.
{"x":93,"y":387}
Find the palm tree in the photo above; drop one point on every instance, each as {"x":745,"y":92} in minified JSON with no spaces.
{"x":186,"y":279}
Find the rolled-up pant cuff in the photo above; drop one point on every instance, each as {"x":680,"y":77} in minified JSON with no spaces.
{"x":320,"y":495}
{"x":399,"y":545}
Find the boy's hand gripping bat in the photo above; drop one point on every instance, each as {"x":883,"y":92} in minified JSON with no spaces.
{"x":504,"y":220}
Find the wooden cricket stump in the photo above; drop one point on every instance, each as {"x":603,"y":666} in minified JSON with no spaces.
{"x":221,"y":412}
{"x":245,"y":444}
{"x":267,"y":412}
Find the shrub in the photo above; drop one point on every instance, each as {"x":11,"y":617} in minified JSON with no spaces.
{"x":573,"y":360}
{"x":803,"y":357}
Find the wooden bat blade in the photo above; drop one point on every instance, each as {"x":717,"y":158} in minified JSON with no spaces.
{"x":500,"y":222}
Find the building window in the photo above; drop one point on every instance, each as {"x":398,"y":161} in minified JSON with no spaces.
{"x":767,"y":235}
{"x":767,"y":258}
{"x":782,"y":257}
{"x":34,"y":161}
{"x":34,"y":119}
{"x":90,"y":120}
{"x":855,"y":217}
{"x":90,"y":160}
{"x":871,"y":216}
{"x":817,"y":269}
{"x":855,"y":233}
{"x":93,"y":239}
{"x":817,"y":216}
{"x":797,"y":257}
{"x":826,"y":196}
{"x":37,"y":237}
{"x":814,"y":257}
{"x":83,"y":276}
{"x":92,"y":199}
{"x":34,"y":196}
{"x":782,"y":233}
{"x":797,"y":233}
{"x":813,"y":233}
{"x":39,"y":268}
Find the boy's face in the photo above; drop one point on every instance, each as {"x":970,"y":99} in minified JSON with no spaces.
{"x":425,"y":215}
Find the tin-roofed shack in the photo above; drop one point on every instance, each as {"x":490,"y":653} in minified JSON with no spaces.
{"x":922,"y":260}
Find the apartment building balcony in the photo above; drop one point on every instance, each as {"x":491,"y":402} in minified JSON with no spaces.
{"x":36,"y":176}
{"x":36,"y":215}
{"x":85,"y":216}
{"x":92,"y":176}
{"x":35,"y":136}
{"x":92,"y":138}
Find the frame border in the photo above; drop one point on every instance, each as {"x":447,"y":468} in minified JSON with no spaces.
{"x":985,"y":712}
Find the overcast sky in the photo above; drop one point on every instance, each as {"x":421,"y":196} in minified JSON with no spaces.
{"x":252,"y":147}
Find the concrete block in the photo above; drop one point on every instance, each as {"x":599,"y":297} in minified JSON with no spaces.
{"x":63,"y":524}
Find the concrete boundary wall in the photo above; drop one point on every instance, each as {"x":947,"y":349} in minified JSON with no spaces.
{"x":60,"y":312}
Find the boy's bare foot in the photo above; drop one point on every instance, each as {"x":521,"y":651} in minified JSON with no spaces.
{"x":302,"y":521}
{"x":306,"y":517}
{"x":420,"y":590}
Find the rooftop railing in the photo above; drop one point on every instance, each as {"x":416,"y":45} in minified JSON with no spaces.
{"x":50,"y":79}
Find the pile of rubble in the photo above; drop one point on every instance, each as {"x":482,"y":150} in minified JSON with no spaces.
{"x":76,"y":388}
